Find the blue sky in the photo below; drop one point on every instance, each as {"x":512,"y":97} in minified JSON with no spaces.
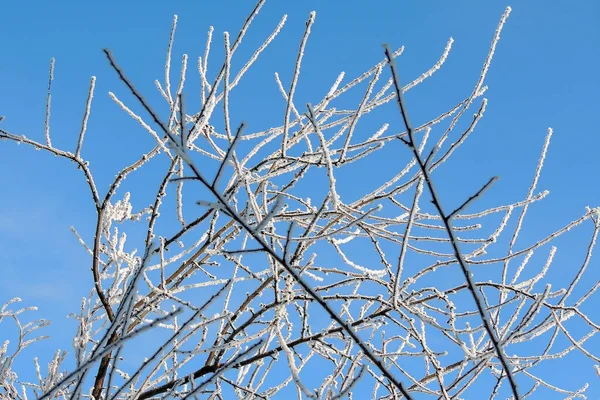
{"x":543,"y":75}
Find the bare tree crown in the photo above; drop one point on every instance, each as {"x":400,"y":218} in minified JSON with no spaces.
{"x":257,"y":276}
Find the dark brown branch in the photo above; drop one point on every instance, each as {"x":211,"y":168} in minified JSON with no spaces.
{"x":448,"y":225}
{"x":474,"y":197}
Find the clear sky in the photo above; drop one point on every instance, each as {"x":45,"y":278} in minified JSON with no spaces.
{"x":544,"y":75}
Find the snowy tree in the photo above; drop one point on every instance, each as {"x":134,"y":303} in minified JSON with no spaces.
{"x":256,"y":275}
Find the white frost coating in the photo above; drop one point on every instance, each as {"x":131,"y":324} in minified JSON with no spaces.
{"x":372,"y":273}
{"x":347,"y":238}
{"x":274,"y":210}
{"x":121,"y":210}
{"x":336,"y":84}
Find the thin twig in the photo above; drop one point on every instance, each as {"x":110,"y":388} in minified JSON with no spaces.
{"x":472,"y":198}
